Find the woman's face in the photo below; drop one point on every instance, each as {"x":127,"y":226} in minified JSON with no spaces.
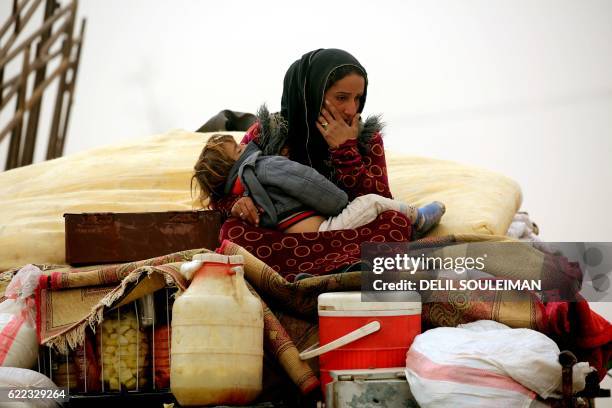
{"x":345,"y":95}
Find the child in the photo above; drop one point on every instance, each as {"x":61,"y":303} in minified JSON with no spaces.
{"x":293,"y":196}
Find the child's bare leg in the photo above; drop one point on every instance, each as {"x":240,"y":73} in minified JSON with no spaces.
{"x":310,"y":224}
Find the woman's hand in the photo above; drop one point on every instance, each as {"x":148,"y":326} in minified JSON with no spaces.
{"x":333,"y":127}
{"x":245,"y":209}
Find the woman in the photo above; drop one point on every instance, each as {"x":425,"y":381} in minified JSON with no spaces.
{"x":319,"y":125}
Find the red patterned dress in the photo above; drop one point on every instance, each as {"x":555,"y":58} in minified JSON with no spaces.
{"x":324,"y":252}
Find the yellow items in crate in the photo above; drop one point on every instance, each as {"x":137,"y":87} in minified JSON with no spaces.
{"x":124,"y":351}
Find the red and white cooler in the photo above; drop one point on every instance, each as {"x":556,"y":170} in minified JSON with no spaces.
{"x":361,"y":335}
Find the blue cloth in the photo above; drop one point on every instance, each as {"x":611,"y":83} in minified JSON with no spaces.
{"x":283,"y":187}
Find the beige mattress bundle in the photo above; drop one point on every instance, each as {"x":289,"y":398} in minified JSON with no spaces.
{"x":153,"y":174}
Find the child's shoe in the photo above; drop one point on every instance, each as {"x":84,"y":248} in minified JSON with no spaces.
{"x":428,"y":217}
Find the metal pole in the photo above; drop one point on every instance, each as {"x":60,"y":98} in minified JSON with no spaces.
{"x":57,"y":112}
{"x":6,"y":58}
{"x":13,"y":82}
{"x":36,"y":96}
{"x":71,"y":86}
{"x":1,"y":82}
{"x":34,"y":115}
{"x":13,"y":17}
{"x":19,"y":23}
{"x":17,"y":15}
{"x":58,"y":22}
{"x":14,"y":153}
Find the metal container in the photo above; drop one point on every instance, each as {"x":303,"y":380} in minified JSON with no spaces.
{"x":83,"y":370}
{"x":95,"y":238}
{"x":369,"y":388}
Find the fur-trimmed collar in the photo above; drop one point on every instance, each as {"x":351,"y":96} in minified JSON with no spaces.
{"x":273,"y":131}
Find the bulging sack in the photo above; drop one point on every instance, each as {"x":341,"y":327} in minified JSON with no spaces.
{"x":476,"y":363}
{"x":18,"y":339}
{"x":20,"y":378}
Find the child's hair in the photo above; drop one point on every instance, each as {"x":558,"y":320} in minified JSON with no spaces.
{"x":212,"y":168}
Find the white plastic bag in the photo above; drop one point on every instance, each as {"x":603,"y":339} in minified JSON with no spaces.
{"x":18,"y":339}
{"x":11,"y":377}
{"x":485,"y":362}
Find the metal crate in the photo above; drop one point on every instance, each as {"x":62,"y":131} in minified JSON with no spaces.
{"x":73,"y":370}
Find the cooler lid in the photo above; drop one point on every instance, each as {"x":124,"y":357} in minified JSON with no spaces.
{"x":351,"y":301}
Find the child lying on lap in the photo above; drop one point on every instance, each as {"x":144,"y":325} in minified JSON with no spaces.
{"x":293,"y":197}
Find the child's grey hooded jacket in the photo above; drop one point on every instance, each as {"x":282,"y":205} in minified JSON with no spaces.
{"x":283,"y":187}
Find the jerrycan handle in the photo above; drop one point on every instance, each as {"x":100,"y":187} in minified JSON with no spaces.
{"x":342,"y":341}
{"x":240,"y":286}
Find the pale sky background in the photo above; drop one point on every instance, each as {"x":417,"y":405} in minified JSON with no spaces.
{"x":521,"y":87}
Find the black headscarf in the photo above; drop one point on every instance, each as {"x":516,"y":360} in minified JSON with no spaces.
{"x":303,"y":91}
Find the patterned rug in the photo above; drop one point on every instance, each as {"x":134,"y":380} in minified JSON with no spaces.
{"x":70,"y":299}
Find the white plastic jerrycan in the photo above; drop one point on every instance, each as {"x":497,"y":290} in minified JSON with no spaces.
{"x":217,"y":335}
